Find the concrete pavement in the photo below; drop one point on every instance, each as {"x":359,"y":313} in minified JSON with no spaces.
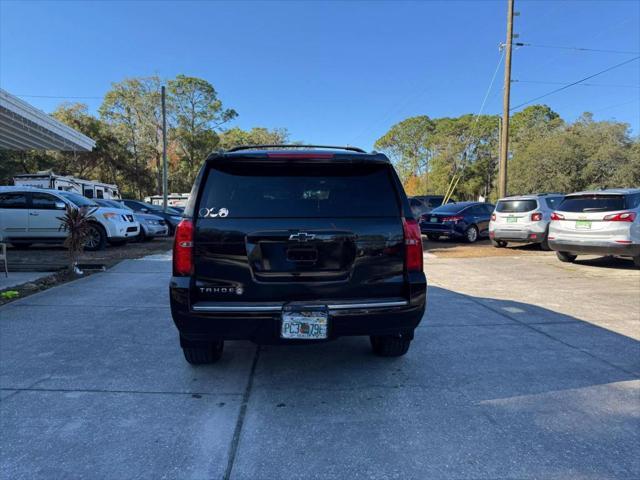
{"x":496,"y":385}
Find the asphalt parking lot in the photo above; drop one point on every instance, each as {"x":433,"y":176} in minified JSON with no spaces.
{"x":523,"y":367}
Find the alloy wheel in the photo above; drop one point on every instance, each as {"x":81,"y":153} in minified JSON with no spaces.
{"x":93,"y":238}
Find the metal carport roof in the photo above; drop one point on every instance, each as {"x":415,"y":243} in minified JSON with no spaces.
{"x":24,"y":127}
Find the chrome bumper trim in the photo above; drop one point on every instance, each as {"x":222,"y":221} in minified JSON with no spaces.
{"x":277,"y":308}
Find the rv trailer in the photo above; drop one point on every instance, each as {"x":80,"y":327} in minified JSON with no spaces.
{"x":48,"y":179}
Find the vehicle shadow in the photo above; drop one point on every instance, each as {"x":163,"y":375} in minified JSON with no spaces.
{"x":489,"y":389}
{"x":607,"y":262}
{"x":504,"y":348}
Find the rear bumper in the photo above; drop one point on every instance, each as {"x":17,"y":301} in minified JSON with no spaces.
{"x":260,"y":322}
{"x":595,"y":248}
{"x":448,"y":230}
{"x":518,"y":236}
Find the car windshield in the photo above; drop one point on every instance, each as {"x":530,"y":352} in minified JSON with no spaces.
{"x":592,"y":203}
{"x":553,"y":202}
{"x":158,"y":208}
{"x":450,"y":208}
{"x":516,"y":206}
{"x":77,"y":199}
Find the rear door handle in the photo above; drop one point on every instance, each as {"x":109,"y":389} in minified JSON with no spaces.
{"x":34,"y":214}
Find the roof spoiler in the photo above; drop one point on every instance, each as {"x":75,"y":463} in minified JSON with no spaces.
{"x":262,"y":147}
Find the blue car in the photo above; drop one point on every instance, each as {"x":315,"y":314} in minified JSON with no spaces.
{"x":466,"y":220}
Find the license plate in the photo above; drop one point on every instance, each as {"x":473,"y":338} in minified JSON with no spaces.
{"x":304,"y":323}
{"x":433,"y":220}
{"x":583,"y":224}
{"x":512,"y":219}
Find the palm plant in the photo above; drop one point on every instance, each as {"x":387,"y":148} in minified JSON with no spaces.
{"x":76,"y":223}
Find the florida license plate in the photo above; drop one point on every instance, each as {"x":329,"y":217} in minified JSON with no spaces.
{"x":304,"y":323}
{"x":512,"y":219}
{"x":584,"y":224}
{"x":433,"y":219}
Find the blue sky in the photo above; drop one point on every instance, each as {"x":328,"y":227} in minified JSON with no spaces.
{"x":330,"y":72}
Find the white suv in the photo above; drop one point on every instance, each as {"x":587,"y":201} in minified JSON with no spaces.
{"x":523,"y":219}
{"x":600,"y":222}
{"x":30,"y":215}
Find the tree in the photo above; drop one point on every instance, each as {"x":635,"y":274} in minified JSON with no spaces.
{"x":256,"y":136}
{"x":197,"y":113}
{"x":133,"y":110}
{"x":407,"y":144}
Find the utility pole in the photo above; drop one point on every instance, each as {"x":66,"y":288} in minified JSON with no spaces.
{"x":164,"y":152}
{"x":504,"y":134}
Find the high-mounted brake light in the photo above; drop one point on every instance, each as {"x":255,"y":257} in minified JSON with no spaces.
{"x":621,"y":217}
{"x":557,"y":216}
{"x":412,"y":245}
{"x":183,"y":249}
{"x":536,"y":217}
{"x":299,"y":155}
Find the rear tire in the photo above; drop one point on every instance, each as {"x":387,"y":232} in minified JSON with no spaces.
{"x":544,"y":245}
{"x":204,"y":355}
{"x":566,"y":257}
{"x":471,"y":234}
{"x":499,"y":243}
{"x":433,"y":236}
{"x":390,"y":345}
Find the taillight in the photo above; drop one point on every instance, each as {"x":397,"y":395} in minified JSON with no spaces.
{"x":621,"y":217}
{"x":455,"y":218}
{"x":493,"y":217}
{"x":557,"y":216}
{"x":183,"y":249}
{"x":536,"y":217}
{"x":412,"y":245}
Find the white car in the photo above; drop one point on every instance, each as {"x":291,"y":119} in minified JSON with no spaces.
{"x":600,"y":222}
{"x":31,"y":215}
{"x":523,"y":219}
{"x":151,"y":226}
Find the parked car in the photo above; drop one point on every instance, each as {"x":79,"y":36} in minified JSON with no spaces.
{"x":523,"y":219}
{"x":466,"y":220}
{"x":172,"y":217}
{"x":600,"y":222}
{"x":422,"y":204}
{"x":151,"y":226}
{"x":290,"y":246}
{"x":31,"y":215}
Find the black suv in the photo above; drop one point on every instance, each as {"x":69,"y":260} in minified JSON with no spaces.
{"x":291,"y":244}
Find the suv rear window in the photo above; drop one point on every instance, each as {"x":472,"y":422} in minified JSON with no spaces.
{"x":250,"y":190}
{"x":592,"y":203}
{"x":516,"y":206}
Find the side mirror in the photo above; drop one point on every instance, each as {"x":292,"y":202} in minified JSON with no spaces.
{"x":60,"y":205}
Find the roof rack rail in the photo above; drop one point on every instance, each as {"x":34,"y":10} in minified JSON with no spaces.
{"x":259,"y":147}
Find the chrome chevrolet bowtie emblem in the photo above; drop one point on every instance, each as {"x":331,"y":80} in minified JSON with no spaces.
{"x":301,"y":237}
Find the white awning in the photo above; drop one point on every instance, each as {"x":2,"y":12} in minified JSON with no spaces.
{"x":24,"y":127}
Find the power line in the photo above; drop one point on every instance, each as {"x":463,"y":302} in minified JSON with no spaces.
{"x":579,"y":49}
{"x":609,"y":107}
{"x":574,"y":83}
{"x":582,"y":84}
